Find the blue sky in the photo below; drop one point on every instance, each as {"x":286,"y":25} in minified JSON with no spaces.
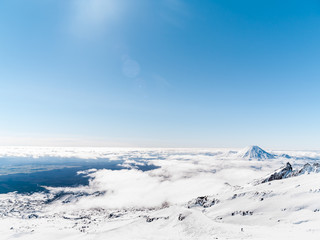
{"x":167,"y":73}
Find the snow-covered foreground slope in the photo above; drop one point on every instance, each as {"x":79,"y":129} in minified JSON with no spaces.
{"x":194,"y":194}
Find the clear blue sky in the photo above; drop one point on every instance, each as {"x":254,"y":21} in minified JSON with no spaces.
{"x":160,"y":73}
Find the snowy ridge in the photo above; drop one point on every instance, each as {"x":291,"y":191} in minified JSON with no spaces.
{"x":287,"y":172}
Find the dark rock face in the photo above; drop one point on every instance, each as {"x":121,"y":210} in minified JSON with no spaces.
{"x":287,"y":172}
{"x":280,"y":174}
{"x":242,"y":213}
{"x":181,"y":217}
{"x":308,"y":168}
{"x":204,"y":201}
{"x":151,"y":219}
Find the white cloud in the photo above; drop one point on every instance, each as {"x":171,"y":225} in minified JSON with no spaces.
{"x":137,"y":189}
{"x":183,"y":175}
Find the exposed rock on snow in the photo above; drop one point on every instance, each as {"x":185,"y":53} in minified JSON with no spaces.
{"x":151,"y":219}
{"x":309,"y":168}
{"x":183,"y":215}
{"x":242,"y":213}
{"x":204,"y":201}
{"x":287,"y":172}
{"x":280,"y":174}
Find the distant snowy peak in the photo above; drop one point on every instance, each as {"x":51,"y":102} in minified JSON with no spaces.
{"x":255,"y":152}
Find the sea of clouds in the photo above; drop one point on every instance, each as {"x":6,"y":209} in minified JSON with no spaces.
{"x":182,"y":174}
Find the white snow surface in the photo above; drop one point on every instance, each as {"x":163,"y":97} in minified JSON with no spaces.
{"x":131,"y":204}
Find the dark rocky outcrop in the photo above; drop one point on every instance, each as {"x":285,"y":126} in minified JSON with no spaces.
{"x":287,"y":172}
{"x":280,"y":174}
{"x":204,"y":201}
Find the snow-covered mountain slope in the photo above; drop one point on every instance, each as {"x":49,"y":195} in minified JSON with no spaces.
{"x":255,"y":152}
{"x":194,"y":194}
